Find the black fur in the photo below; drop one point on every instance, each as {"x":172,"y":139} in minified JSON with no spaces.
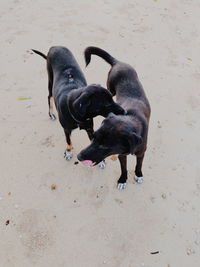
{"x":76,"y":103}
{"x":120,"y":134}
{"x":64,"y":76}
{"x":91,"y":101}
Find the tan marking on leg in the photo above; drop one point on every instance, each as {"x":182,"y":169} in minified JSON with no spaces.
{"x":51,"y":105}
{"x":69,"y":147}
{"x":114,"y":157}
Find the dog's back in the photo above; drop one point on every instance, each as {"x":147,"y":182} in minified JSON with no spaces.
{"x":122,"y":81}
{"x":66,"y":70}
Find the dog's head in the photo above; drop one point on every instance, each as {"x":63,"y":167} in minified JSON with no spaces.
{"x":91,"y":101}
{"x":115,"y":136}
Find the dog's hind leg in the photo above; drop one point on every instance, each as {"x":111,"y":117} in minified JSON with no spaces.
{"x":122,"y":180}
{"x":138,"y":169}
{"x":50,"y":97}
{"x":68,"y":152}
{"x":110,"y":84}
{"x":50,"y":103}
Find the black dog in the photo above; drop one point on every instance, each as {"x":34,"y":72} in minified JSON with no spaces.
{"x":64,"y":75}
{"x":75,"y":102}
{"x":122,"y":134}
{"x":91,"y":101}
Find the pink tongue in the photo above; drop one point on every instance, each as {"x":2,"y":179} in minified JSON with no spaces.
{"x":88,"y":162}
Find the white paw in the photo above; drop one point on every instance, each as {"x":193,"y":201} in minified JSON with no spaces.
{"x":102,"y":165}
{"x":139,"y":180}
{"x":121,"y":186}
{"x":52,"y":117}
{"x":68,"y":155}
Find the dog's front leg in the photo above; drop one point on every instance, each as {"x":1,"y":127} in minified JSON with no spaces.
{"x":90,"y":133}
{"x":122,"y":180}
{"x":88,"y":127}
{"x":138,"y":169}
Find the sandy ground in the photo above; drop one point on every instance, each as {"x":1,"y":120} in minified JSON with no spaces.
{"x":86,"y":221}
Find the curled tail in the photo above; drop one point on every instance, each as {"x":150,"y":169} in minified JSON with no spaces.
{"x":92,"y":50}
{"x":39,"y":53}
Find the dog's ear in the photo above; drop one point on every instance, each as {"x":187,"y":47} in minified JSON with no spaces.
{"x":134,"y":140}
{"x":81,"y":104}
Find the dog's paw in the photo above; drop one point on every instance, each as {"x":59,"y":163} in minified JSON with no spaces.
{"x":68,"y":155}
{"x":121,"y":186}
{"x":102,"y":164}
{"x":52,"y":117}
{"x":139,"y":180}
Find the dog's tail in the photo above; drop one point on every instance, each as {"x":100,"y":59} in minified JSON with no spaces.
{"x":92,"y":50}
{"x":39,"y":53}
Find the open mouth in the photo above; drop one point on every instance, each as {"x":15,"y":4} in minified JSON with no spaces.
{"x":89,"y":163}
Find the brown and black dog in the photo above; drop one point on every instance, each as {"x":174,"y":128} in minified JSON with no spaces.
{"x":76,"y":103}
{"x":120,"y":134}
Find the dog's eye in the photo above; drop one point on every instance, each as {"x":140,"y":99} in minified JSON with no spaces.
{"x":70,"y":76}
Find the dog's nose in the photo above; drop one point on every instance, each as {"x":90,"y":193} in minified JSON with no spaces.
{"x":79,"y":157}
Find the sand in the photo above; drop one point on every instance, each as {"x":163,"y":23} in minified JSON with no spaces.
{"x":55,"y":213}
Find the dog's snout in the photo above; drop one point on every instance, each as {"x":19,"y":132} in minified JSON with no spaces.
{"x":80,"y":157}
